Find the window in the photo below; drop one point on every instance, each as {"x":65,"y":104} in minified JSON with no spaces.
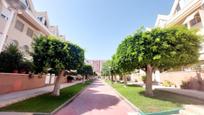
{"x":178,"y":8}
{"x":26,"y":48}
{"x":29,"y":32}
{"x":40,"y":18}
{"x":19,"y":26}
{"x":195,"y":20}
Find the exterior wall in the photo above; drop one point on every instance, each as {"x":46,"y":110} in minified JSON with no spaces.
{"x":22,"y":38}
{"x":178,"y":77}
{"x":10,"y":82}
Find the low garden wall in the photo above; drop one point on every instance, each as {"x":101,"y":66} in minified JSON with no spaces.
{"x":10,"y":82}
{"x":192,"y":80}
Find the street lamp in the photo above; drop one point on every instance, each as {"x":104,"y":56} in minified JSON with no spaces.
{"x":11,"y":6}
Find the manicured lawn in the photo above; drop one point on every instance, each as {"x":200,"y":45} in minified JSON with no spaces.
{"x":47,"y":102}
{"x":161,"y":101}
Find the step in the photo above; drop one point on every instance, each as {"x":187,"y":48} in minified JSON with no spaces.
{"x":197,"y":109}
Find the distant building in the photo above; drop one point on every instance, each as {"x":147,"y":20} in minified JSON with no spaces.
{"x":96,"y":65}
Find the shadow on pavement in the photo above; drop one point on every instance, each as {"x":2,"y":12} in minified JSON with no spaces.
{"x":90,"y":100}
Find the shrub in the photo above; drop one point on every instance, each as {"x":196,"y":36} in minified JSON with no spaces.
{"x":195,"y":83}
{"x":185,"y":85}
{"x":26,"y":66}
{"x":144,"y":78}
{"x":167,"y":83}
{"x":10,"y":59}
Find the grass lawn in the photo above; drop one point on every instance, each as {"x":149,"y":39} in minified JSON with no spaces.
{"x":47,"y":102}
{"x":161,"y":101}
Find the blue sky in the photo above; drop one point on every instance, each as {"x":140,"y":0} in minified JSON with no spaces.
{"x":99,"y":26}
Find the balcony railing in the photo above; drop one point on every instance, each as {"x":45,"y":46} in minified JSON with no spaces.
{"x":18,"y":4}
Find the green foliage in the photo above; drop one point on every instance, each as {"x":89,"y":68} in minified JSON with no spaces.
{"x":167,"y":83}
{"x":106,"y":68}
{"x":161,"y":101}
{"x":144,"y":78}
{"x":46,"y":103}
{"x":26,"y":66}
{"x":49,"y":52}
{"x":10,"y":59}
{"x":76,"y":57}
{"x":85,"y":70}
{"x":161,"y":48}
{"x":52,"y":53}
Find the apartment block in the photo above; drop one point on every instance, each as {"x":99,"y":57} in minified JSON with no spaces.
{"x":20,"y":23}
{"x":96,"y":65}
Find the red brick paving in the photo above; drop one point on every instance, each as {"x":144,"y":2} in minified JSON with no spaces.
{"x":98,"y":99}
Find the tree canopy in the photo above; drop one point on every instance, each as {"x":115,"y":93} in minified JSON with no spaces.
{"x":85,"y":70}
{"x":160,"y":48}
{"x":51,"y":53}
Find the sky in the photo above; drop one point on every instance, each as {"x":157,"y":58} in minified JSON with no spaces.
{"x":99,"y":26}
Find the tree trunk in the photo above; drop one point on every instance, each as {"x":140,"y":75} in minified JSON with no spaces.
{"x":83,"y":79}
{"x":56,"y":91}
{"x":125,"y":80}
{"x":115,"y":78}
{"x":111,"y":78}
{"x":148,"y":87}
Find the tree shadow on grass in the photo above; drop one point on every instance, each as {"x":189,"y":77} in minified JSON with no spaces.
{"x":174,"y":98}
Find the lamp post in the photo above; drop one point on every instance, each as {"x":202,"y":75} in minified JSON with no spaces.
{"x":11,"y":7}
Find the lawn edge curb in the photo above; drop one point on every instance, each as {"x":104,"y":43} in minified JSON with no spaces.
{"x":44,"y":113}
{"x":68,"y":101}
{"x":125,"y":99}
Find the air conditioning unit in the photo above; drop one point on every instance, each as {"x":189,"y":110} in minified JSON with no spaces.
{"x":18,"y":4}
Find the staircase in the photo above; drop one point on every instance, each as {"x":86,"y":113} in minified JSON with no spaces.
{"x":192,"y":110}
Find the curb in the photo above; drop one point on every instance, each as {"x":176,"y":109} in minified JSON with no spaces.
{"x":168,"y":112}
{"x":28,"y":97}
{"x":123,"y":98}
{"x":53,"y":112}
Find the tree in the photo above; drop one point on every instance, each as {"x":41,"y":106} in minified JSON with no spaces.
{"x":106,"y":68}
{"x":10,"y":59}
{"x":159,"y":49}
{"x":50,"y":53}
{"x":85,"y":71}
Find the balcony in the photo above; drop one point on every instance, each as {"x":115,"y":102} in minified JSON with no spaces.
{"x":18,"y":4}
{"x":187,"y":10}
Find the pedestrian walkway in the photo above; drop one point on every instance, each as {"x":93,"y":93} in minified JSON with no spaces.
{"x":10,"y":98}
{"x":98,"y":99}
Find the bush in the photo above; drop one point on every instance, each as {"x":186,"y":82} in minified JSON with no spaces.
{"x":10,"y":59}
{"x":195,"y":83}
{"x":167,"y":83}
{"x":185,"y":85}
{"x":26,"y":67}
{"x":144,"y":78}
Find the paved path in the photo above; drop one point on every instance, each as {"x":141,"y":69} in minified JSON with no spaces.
{"x":98,"y":99}
{"x":6,"y":99}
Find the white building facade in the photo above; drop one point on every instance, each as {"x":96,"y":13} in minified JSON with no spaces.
{"x":20,"y":23}
{"x":189,"y":13}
